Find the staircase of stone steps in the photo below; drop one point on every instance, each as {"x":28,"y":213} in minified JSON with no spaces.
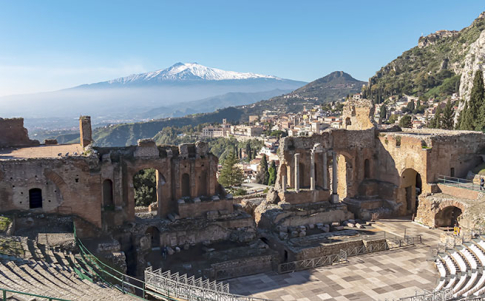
{"x":45,"y":271}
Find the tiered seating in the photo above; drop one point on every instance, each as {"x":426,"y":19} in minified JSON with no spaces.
{"x":53,"y":275}
{"x":462,"y":270}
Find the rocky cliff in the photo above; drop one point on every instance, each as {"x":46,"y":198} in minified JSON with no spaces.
{"x":474,"y":60}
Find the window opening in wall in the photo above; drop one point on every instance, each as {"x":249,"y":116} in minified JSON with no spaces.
{"x":452,"y":172}
{"x":185,"y":185}
{"x":35,"y":198}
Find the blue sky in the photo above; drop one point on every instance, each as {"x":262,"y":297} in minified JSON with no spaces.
{"x":48,"y":45}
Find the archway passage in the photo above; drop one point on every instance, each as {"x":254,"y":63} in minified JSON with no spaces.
{"x":186,"y":185}
{"x":35,"y":198}
{"x":411,"y":187}
{"x":108,"y":193}
{"x":154,"y":234}
{"x":448,"y":217}
{"x":145,"y":185}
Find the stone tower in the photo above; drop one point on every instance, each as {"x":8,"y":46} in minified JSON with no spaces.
{"x":85,"y":130}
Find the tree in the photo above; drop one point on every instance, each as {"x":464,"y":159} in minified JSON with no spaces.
{"x":383,"y":112}
{"x":272,"y":173}
{"x":478,"y":94}
{"x":248,"y":151}
{"x":145,"y":186}
{"x":405,"y":121}
{"x":470,"y":118}
{"x":436,"y":121}
{"x":231,"y":175}
{"x":263,"y":175}
{"x":447,"y":119}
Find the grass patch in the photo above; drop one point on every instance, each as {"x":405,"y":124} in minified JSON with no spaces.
{"x":10,"y":246}
{"x":4,"y":223}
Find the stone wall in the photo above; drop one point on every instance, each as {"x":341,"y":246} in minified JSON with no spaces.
{"x":14,"y":134}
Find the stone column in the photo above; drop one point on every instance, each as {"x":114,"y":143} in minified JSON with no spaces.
{"x":325,"y":170}
{"x":283,"y":182}
{"x":335,"y":198}
{"x":312,"y":171}
{"x":297,"y":172}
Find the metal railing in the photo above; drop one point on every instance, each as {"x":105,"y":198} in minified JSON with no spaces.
{"x":12,"y":292}
{"x":372,"y":246}
{"x":442,"y":295}
{"x":168,"y":290}
{"x":458,"y":182}
{"x":189,"y":288}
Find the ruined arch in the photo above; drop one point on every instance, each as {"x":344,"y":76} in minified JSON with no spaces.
{"x":448,"y":216}
{"x":186,"y":185}
{"x":410,"y":188}
{"x":64,"y":190}
{"x":283,"y":171}
{"x":108,"y":193}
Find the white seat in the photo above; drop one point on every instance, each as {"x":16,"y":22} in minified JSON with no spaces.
{"x":459,"y":260}
{"x":468,"y":285}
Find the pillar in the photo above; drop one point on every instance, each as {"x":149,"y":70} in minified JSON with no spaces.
{"x":86,"y":136}
{"x":297,"y":172}
{"x":312,"y":171}
{"x":325,"y":170}
{"x":335,"y":198}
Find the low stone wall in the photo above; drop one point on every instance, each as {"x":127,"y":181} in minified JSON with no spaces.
{"x":324,"y":249}
{"x":459,"y":192}
{"x":202,"y":207}
{"x":242,"y":267}
{"x":304,"y":196}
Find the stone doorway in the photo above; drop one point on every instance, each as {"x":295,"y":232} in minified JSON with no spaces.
{"x":154,"y":236}
{"x":35,"y":198}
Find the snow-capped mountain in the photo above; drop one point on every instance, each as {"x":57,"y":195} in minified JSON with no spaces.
{"x":127,"y":97}
{"x":189,"y":71}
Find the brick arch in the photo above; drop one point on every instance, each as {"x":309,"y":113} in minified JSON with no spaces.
{"x":63,"y":188}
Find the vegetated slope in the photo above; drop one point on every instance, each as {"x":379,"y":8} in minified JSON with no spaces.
{"x":211,"y":104}
{"x":432,"y":68}
{"x":332,"y":87}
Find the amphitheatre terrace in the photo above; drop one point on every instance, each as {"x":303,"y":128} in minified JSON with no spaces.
{"x":360,"y":213}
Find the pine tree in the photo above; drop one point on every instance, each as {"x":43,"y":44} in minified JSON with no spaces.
{"x":231,"y":175}
{"x":272,"y":173}
{"x":406,"y":121}
{"x":263,"y":175}
{"x":447,"y":119}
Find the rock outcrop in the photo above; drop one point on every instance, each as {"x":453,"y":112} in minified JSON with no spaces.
{"x":474,"y":60}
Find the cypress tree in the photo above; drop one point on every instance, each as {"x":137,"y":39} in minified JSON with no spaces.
{"x":383,"y":112}
{"x":272,"y":174}
{"x":437,"y":118}
{"x":478,"y":94}
{"x":466,"y":118}
{"x":475,"y":103}
{"x":447,"y":119}
{"x":263,"y":175}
